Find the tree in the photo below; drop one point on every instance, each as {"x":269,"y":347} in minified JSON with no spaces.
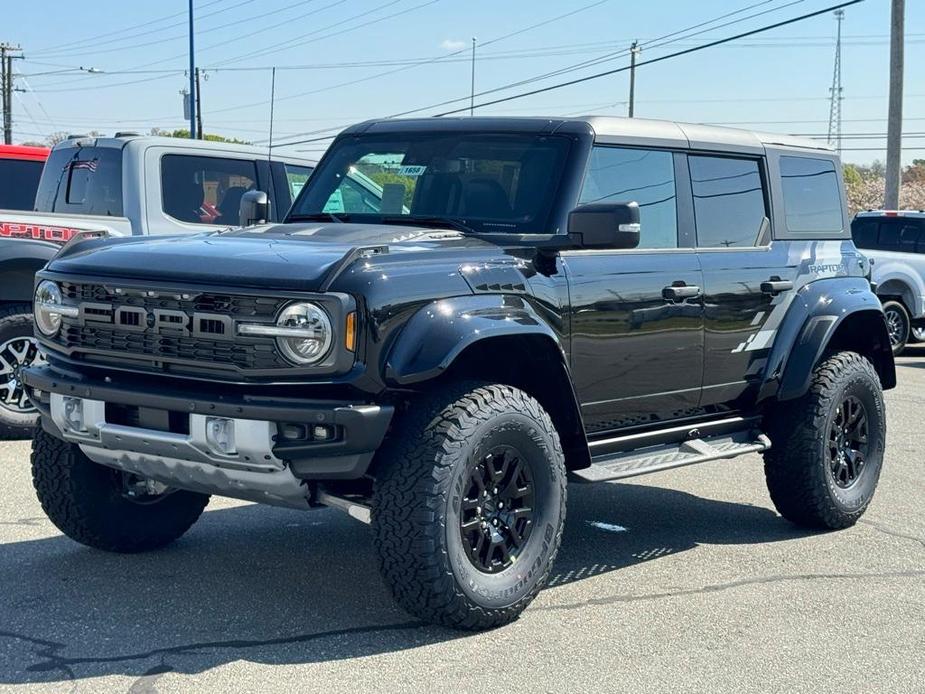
{"x":184,"y":133}
{"x":57,"y":137}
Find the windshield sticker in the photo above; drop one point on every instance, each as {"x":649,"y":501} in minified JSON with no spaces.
{"x":410,"y":170}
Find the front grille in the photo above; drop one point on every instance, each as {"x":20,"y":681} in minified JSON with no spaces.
{"x":102,"y":343}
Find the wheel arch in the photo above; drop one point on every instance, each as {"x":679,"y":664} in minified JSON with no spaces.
{"x":828,"y":317}
{"x":19,"y":261}
{"x":492,"y":338}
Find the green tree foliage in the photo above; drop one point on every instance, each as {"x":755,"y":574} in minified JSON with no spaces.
{"x":184,"y":133}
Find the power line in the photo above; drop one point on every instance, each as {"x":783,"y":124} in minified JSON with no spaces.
{"x":662,"y":58}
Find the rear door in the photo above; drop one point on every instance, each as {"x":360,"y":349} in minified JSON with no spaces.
{"x":636,"y":315}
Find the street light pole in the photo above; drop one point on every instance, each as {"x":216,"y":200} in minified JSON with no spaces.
{"x":894,"y":127}
{"x":192,"y":77}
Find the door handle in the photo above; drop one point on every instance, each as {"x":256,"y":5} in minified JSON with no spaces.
{"x":678,"y":292}
{"x":776,"y":285}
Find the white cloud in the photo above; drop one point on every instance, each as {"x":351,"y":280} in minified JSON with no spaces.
{"x":452,"y":44}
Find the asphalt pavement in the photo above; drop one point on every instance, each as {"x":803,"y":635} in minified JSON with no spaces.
{"x":681,"y":581}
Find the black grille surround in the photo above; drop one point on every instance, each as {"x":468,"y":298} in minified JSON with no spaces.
{"x":202,"y":344}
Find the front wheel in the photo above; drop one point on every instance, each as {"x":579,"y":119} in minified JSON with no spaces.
{"x":469,"y":505}
{"x":827,"y":447}
{"x":105,"y":508}
{"x":18,"y":350}
{"x":898,"y":325}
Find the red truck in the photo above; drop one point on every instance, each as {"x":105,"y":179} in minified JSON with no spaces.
{"x":20,"y":170}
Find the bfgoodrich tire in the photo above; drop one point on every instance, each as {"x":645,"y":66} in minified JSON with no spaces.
{"x":94,"y":505}
{"x":17,"y":349}
{"x":827,"y":447}
{"x":469,"y":505}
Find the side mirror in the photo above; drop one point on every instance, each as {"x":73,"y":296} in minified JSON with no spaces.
{"x":605,"y":225}
{"x":254,"y":208}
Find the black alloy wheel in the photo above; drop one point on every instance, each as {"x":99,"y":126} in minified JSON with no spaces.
{"x":496,"y":516}
{"x":848,"y":442}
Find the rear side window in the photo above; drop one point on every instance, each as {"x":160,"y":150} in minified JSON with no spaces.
{"x":812,"y":199}
{"x":82,"y":180}
{"x":205,"y":190}
{"x":296,"y":176}
{"x":864,"y":234}
{"x":19,"y":179}
{"x":729,"y":207}
{"x":896,"y":235}
{"x":617,"y":174}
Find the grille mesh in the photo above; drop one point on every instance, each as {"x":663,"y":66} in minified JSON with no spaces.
{"x":244,"y":353}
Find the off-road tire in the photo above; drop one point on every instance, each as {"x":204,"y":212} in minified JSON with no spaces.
{"x":901,"y":331}
{"x":797,"y":466}
{"x":83,"y":499}
{"x":420,"y":480}
{"x":16,"y":321}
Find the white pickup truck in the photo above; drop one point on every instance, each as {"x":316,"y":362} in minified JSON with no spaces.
{"x":124,"y":185}
{"x":895,"y":242}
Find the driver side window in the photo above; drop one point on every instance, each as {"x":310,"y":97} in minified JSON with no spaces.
{"x":619,"y":174}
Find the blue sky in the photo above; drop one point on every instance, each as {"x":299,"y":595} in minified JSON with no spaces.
{"x":776,"y":81}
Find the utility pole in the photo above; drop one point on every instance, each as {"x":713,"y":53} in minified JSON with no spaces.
{"x":472,"y":86}
{"x":199,"y":133}
{"x":835,"y":92}
{"x":272,"y":108}
{"x":634,"y":51}
{"x":6,"y":88}
{"x":894,"y":127}
{"x":193,"y":100}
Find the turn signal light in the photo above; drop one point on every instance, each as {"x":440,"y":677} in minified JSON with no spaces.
{"x":350,"y":334}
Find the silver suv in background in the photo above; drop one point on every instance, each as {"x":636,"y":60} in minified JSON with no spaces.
{"x":895,"y":242}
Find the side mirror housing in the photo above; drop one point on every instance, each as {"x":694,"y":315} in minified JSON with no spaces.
{"x":254,"y":208}
{"x":605,"y":225}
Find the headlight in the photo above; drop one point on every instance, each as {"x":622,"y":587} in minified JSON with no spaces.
{"x":302,"y":331}
{"x":47,"y":308}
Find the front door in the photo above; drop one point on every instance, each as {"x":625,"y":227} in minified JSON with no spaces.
{"x":637,"y":315}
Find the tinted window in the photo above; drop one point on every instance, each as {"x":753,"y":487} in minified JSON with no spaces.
{"x":82,"y":180}
{"x":205,"y":190}
{"x":888,"y":238}
{"x":490,"y":182}
{"x":19,"y":180}
{"x":296,"y":176}
{"x":812,"y":199}
{"x":864,"y":233}
{"x":728,"y":201}
{"x":633,"y":175}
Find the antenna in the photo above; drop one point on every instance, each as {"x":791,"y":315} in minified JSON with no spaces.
{"x":835,"y":91}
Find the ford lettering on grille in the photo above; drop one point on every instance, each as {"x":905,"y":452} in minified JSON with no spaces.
{"x":214,"y":326}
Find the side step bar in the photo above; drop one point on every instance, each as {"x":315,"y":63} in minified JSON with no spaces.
{"x":621,"y":464}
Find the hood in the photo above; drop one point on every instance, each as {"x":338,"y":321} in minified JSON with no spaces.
{"x":285,"y":256}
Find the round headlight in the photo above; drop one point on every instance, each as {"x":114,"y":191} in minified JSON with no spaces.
{"x":47,"y":297}
{"x":311,"y":333}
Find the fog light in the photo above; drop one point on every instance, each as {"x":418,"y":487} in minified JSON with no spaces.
{"x":74,"y":414}
{"x":220,"y":435}
{"x":293,"y":432}
{"x":322,"y":432}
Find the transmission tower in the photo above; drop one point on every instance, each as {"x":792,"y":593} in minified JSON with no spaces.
{"x":835,"y":92}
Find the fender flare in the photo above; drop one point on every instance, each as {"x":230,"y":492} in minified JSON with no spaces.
{"x":812,"y":320}
{"x":440,"y":331}
{"x":19,"y":261}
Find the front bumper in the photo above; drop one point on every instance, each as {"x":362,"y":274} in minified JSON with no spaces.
{"x":166,"y":428}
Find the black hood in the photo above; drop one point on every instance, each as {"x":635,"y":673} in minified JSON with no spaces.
{"x":285,"y":256}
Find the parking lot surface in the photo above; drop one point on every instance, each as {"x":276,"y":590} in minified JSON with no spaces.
{"x":681,"y":581}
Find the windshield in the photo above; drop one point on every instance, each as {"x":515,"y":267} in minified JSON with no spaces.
{"x":484,"y":182}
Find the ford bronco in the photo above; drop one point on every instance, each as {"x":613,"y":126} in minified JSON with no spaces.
{"x":528,"y":302}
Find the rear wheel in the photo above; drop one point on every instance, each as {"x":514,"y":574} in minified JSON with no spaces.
{"x":469,"y":505}
{"x":18,"y":349}
{"x":898,"y":325}
{"x":105,"y":508}
{"x":827,"y":447}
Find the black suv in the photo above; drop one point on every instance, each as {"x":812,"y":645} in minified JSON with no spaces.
{"x":528,"y":301}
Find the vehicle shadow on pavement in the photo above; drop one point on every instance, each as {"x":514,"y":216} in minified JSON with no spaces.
{"x":280,"y":587}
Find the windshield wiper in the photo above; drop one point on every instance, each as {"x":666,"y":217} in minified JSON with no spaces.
{"x":445,"y":222}
{"x":319,"y":217}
